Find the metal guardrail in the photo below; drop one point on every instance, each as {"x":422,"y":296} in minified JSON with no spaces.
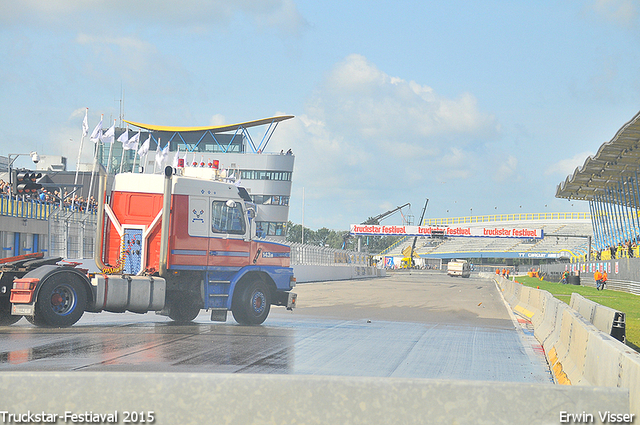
{"x":30,"y":208}
{"x":506,"y":217}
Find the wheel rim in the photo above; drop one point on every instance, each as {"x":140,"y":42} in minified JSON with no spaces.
{"x":258,"y":302}
{"x":63,"y":300}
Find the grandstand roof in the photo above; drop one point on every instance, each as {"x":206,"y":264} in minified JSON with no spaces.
{"x":213,"y":129}
{"x":617,"y":160}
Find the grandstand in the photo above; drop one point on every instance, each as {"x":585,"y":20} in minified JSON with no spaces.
{"x":566,"y":236}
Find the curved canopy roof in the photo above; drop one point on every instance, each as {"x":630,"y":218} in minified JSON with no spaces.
{"x":213,"y":129}
{"x":614,"y":162}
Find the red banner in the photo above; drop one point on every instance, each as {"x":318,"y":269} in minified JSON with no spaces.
{"x":488,"y":232}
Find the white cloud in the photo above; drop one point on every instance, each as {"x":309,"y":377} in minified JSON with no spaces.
{"x":217,"y":120}
{"x":363,"y":101}
{"x":567,"y":166}
{"x":366,"y":135}
{"x":282,"y":15}
{"x":619,"y":12}
{"x":507,"y":169}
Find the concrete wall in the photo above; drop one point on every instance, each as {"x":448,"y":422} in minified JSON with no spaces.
{"x":186,"y":398}
{"x":578,"y":352}
{"x":315,"y":273}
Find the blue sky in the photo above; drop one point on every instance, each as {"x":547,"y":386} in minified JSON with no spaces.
{"x":482,"y":107}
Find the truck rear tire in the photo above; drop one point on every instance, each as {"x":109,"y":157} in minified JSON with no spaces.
{"x":61,"y":301}
{"x":6,"y":318}
{"x":253,"y":304}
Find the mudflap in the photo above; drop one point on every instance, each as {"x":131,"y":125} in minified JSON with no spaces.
{"x":23,"y":309}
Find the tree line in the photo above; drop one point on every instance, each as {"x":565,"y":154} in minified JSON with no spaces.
{"x":338,"y":239}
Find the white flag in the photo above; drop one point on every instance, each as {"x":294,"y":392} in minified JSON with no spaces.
{"x":109,"y":135}
{"x":144,"y":149}
{"x":176,"y":157}
{"x":85,"y":124}
{"x":161,"y":156}
{"x":132,"y":143}
{"x":97,"y":132}
{"x":124,"y":137}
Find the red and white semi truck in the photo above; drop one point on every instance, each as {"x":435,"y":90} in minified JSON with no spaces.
{"x":175,"y":244}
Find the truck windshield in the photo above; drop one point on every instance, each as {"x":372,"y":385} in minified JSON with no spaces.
{"x":225,"y":219}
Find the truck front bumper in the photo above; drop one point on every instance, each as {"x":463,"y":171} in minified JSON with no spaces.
{"x":286,"y":299}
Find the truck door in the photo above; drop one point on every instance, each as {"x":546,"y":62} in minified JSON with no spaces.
{"x":228,"y":230}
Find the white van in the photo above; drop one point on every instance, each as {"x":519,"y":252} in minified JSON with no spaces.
{"x":458,"y":268}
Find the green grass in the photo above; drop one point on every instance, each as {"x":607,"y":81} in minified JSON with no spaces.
{"x":621,"y":301}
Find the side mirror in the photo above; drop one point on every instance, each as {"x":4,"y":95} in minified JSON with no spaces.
{"x":231,"y":203}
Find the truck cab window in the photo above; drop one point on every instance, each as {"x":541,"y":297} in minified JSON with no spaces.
{"x":225,"y":219}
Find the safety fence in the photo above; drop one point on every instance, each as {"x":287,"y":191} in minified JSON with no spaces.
{"x":28,"y":208}
{"x":71,"y":234}
{"x":31,"y":208}
{"x":322,"y":256}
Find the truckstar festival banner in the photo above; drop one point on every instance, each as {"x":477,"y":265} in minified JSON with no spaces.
{"x":487,"y":232}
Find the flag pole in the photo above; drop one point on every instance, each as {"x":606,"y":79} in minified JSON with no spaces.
{"x":113,"y":140}
{"x":95,"y":162}
{"x":133,"y":167}
{"x":122,"y":142}
{"x":85,"y":131}
{"x":135,"y":152}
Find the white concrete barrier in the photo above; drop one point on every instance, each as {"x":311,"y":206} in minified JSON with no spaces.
{"x":579,"y":352}
{"x":583,"y":306}
{"x":209,"y":398}
{"x":318,"y":273}
{"x":601,"y":316}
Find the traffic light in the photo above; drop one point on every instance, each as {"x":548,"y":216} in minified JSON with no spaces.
{"x":24,"y":182}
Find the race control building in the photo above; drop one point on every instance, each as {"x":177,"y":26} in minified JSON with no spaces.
{"x":265,"y":175}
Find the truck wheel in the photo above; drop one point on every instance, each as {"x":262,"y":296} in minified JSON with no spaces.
{"x":184,"y":310}
{"x":6,"y":318}
{"x":253,"y":304}
{"x":61,"y":302}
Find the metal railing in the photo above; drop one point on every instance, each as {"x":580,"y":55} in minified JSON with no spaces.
{"x":316,"y":255}
{"x":506,"y":217}
{"x":28,"y":208}
{"x":71,"y":234}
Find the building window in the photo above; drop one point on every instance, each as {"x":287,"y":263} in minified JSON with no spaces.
{"x":265,"y":175}
{"x":270,"y":199}
{"x":270,"y":228}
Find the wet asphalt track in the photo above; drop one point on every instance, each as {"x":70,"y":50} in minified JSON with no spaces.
{"x":418,"y":325}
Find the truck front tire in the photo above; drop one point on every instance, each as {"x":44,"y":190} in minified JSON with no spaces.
{"x":253,"y":303}
{"x":61,"y":301}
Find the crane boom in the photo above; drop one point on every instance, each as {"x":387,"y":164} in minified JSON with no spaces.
{"x":413,"y":246}
{"x":376,"y":219}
